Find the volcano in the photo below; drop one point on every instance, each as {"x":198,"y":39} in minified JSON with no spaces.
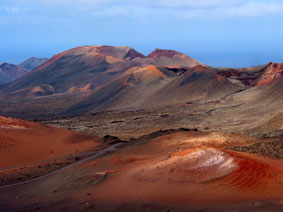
{"x":88,"y":67}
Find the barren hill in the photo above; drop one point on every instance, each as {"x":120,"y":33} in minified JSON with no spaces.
{"x":98,"y":78}
{"x":86,"y":68}
{"x":10,"y":72}
{"x":77,"y":69}
{"x":156,"y":87}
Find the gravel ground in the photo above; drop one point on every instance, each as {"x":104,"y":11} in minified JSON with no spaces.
{"x":272,"y":149}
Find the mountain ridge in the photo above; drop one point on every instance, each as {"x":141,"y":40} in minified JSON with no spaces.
{"x":32,"y":63}
{"x":98,"y":78}
{"x":90,"y":66}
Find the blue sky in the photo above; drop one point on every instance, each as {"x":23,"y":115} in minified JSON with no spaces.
{"x":233,"y":33}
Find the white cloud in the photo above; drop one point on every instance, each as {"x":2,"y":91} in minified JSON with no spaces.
{"x":252,"y":9}
{"x":148,"y":9}
{"x":183,"y":9}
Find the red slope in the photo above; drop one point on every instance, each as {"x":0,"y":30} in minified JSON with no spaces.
{"x":267,"y":75}
{"x":27,"y":142}
{"x":157,"y":53}
{"x":271,"y":74}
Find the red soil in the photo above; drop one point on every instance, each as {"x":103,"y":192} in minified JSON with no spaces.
{"x":157,"y":53}
{"x":122,"y":160}
{"x":203,"y":175}
{"x":259,"y":177}
{"x":271,"y":74}
{"x":24,"y":142}
{"x":266,"y":76}
{"x":218,"y":77}
{"x":200,"y":173}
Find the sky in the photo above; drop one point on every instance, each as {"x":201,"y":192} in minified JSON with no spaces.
{"x":230,"y":33}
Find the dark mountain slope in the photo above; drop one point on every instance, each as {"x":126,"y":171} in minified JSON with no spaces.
{"x":74,"y":70}
{"x":130,"y":92}
{"x":10,"y":72}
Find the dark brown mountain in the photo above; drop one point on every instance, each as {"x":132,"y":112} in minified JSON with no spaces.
{"x":161,"y":57}
{"x":74,"y":70}
{"x":98,"y":78}
{"x":10,"y":72}
{"x":87,"y":68}
{"x":32,"y":63}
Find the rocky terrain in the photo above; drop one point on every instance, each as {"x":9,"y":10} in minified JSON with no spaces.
{"x":112,"y":130}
